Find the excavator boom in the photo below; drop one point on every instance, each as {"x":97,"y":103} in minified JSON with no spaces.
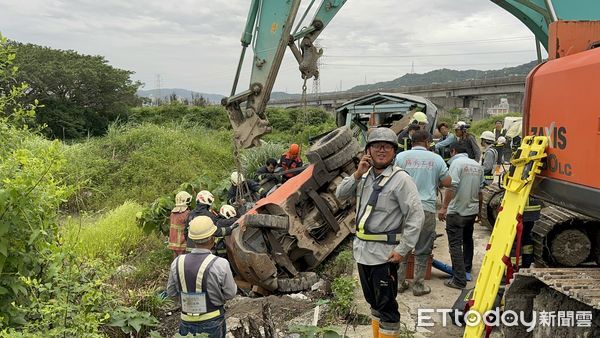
{"x":269,"y":31}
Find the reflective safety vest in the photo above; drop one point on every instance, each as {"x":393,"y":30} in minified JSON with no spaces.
{"x":405,"y":144}
{"x":363,"y":218}
{"x":192,"y":270}
{"x":532,"y":211}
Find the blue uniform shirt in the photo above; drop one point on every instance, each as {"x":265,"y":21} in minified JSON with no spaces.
{"x":426,"y":169}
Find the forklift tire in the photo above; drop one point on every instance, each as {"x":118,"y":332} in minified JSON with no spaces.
{"x":331,"y":143}
{"x":342,"y":157}
{"x":304,"y":281}
{"x":266,"y":221}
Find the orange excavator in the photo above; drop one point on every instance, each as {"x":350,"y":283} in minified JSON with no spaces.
{"x":562,"y":102}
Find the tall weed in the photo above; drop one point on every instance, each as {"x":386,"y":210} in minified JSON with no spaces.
{"x":112,"y":236}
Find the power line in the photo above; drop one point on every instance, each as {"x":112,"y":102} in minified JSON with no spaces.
{"x":426,"y":55}
{"x":406,"y":65}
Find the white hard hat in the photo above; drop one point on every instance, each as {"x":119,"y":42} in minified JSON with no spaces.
{"x":205,"y":197}
{"x":488,"y":136}
{"x":420,"y":117}
{"x":227,"y":211}
{"x":201,"y":227}
{"x":236,"y":178}
{"x":461,"y":125}
{"x":501,"y":140}
{"x":182,"y":199}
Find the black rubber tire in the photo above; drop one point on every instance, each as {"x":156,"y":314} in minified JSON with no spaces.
{"x":331,"y":143}
{"x":489,"y":212}
{"x":304,"y":281}
{"x":346,"y":154}
{"x":266,"y":221}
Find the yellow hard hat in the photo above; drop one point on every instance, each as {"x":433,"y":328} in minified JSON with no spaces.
{"x":420,"y":117}
{"x":201,"y":227}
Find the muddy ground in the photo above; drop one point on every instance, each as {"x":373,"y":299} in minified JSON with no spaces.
{"x":299,"y":309}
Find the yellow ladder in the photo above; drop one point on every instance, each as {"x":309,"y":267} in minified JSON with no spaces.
{"x":525,"y":164}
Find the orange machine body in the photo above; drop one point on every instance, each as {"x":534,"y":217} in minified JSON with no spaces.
{"x":562,"y":102}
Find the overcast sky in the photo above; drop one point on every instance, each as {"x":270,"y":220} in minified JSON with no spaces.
{"x":194,"y":44}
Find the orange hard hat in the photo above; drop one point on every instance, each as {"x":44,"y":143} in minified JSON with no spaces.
{"x":294,"y":149}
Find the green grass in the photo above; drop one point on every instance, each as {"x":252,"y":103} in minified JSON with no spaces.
{"x":112,"y":236}
{"x":144,"y":162}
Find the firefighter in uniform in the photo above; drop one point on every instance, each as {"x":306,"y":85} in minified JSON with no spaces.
{"x":203,"y":281}
{"x":225,"y":225}
{"x":177,"y":220}
{"x":419,"y":122}
{"x":490,"y":156}
{"x":290,"y":160}
{"x":204,"y":201}
{"x":389,"y":220}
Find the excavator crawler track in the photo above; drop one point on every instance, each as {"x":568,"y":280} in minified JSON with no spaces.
{"x":551,"y":216}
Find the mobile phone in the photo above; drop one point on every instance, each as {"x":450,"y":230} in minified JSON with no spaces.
{"x":371,"y":159}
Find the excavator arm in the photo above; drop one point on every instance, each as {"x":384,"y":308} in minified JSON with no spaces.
{"x":268,"y":31}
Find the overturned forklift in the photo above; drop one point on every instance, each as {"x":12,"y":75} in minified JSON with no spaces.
{"x":286,"y":235}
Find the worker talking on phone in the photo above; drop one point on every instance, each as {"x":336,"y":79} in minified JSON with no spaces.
{"x":389,"y":217}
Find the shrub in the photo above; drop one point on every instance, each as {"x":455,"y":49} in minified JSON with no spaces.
{"x":177,"y":113}
{"x":343,"y":295}
{"x":254,"y":158}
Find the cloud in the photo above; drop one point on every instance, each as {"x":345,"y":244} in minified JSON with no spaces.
{"x":195,"y":44}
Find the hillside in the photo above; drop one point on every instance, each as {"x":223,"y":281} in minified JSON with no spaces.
{"x":182,"y":93}
{"x":446,"y":75}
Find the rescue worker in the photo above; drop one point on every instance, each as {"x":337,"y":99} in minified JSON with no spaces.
{"x":227,"y":220}
{"x":290,"y":160}
{"x":203,"y":281}
{"x":389,"y":219}
{"x":225,"y":225}
{"x":267,"y":171}
{"x":490,"y":156}
{"x":441,"y":147}
{"x":204,"y":200}
{"x":461,"y":130}
{"x":461,"y":207}
{"x":428,"y":170}
{"x":239,"y":182}
{"x":418,"y":121}
{"x":267,"y":180}
{"x":500,"y":145}
{"x":500,"y":132}
{"x":177,"y":220}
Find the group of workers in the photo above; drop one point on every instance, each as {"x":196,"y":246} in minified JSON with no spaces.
{"x":203,"y":280}
{"x":396,"y":186}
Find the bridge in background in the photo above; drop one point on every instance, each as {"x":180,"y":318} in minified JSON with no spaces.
{"x":476,"y":95}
